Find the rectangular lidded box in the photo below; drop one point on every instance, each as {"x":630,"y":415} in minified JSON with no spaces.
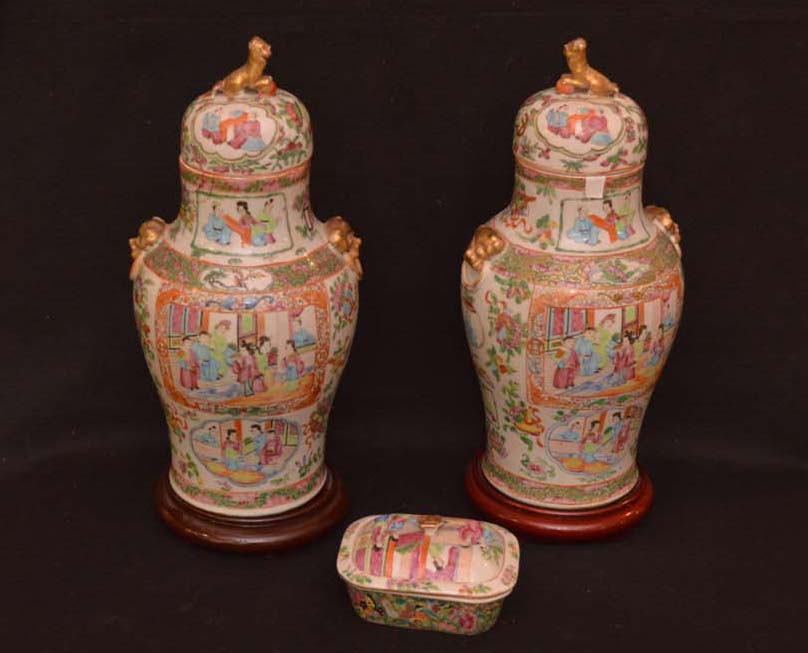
{"x":424,"y":571}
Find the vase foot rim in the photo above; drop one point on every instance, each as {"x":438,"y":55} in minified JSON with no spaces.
{"x":558,"y":525}
{"x":253,"y":534}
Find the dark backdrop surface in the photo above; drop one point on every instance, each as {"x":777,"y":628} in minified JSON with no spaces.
{"x":413,"y":106}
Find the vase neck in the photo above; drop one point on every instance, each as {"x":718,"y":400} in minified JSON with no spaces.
{"x":246,"y":220}
{"x":575,"y":215}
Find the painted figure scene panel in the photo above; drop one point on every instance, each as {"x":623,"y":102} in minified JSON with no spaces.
{"x":242,"y":358}
{"x":593,"y":443}
{"x":601,"y":351}
{"x":235,"y":130}
{"x":228,"y":225}
{"x":396,"y":546}
{"x":602,"y":225}
{"x":246,"y":452}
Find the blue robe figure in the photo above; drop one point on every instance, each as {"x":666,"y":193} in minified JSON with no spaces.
{"x":557,"y":119}
{"x":567,"y":436}
{"x":210,"y":125}
{"x":302,"y":338}
{"x":208,"y":368}
{"x":258,"y":442}
{"x":216,"y":230}
{"x":588,"y":357}
{"x":583,"y":231}
{"x":291,"y":372}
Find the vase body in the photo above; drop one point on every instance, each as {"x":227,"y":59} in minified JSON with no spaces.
{"x":246,"y":309}
{"x":571,"y":314}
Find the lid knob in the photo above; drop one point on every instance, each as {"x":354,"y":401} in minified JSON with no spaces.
{"x":582,"y":77}
{"x":251,"y":74}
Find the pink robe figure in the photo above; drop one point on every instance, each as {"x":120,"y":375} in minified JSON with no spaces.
{"x":377,"y":552}
{"x":564,"y":376}
{"x":243,"y":131}
{"x":272,"y":449}
{"x":622,"y":436}
{"x":189,"y":371}
{"x":624,"y":362}
{"x":244,"y":368}
{"x":258,"y":383}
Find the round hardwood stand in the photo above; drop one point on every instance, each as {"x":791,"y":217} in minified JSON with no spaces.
{"x":558,"y":525}
{"x":253,"y":534}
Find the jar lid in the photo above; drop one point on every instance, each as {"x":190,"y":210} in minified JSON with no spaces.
{"x":582,"y":126}
{"x":428,"y":555}
{"x":245,"y":125}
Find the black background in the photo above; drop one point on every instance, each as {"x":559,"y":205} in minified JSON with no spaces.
{"x":413,"y":107}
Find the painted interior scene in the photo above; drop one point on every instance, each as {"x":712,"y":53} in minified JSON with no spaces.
{"x":601,"y":225}
{"x":242,"y":358}
{"x":597,"y":351}
{"x":592,"y":444}
{"x":397,"y":546}
{"x":245,"y":451}
{"x":227,"y":225}
{"x":235,"y":130}
{"x":583,"y":123}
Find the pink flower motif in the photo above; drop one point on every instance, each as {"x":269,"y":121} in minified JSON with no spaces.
{"x":471,"y":531}
{"x":467,"y":621}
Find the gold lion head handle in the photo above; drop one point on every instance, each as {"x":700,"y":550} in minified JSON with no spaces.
{"x":485,"y":244}
{"x":251,"y":74}
{"x":582,"y":77}
{"x":342,"y":238}
{"x":662,"y":218}
{"x":147,"y":237}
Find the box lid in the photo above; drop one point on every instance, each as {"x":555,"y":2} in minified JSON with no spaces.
{"x":429,"y":555}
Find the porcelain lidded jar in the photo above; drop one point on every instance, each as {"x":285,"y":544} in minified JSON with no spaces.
{"x":428,"y":572}
{"x":571,"y":298}
{"x":246,"y":306}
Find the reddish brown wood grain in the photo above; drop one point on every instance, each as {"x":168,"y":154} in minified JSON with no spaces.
{"x":558,"y":525}
{"x":253,"y":534}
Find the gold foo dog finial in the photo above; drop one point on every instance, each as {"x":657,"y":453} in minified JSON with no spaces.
{"x":582,"y":77}
{"x":251,"y":74}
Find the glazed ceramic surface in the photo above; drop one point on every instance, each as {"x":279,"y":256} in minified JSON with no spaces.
{"x":246,"y":306}
{"x":571,"y":297}
{"x":428,"y":572}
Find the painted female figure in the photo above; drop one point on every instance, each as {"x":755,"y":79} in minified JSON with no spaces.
{"x":293,"y":365}
{"x":588,"y":445}
{"x":273,"y":447}
{"x":622,"y":430}
{"x":267,"y":359}
{"x":247,"y":135}
{"x":657,"y":349}
{"x":216,"y":230}
{"x":208,"y":367}
{"x":567,"y":365}
{"x":583,"y":230}
{"x":189,"y":365}
{"x":232,"y":450}
{"x":585,"y":348}
{"x":223,"y":352}
{"x":624,"y":361}
{"x":245,"y":367}
{"x":268,"y":219}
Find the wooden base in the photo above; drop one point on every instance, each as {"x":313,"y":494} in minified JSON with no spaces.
{"x":558,"y":525}
{"x":253,"y":534}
